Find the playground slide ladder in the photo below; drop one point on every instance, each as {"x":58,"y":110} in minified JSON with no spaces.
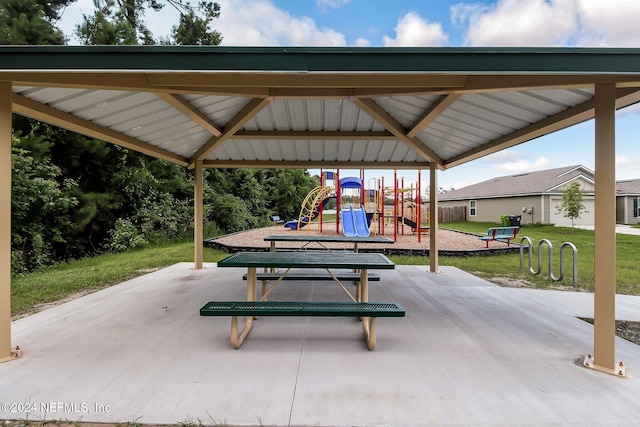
{"x":311,"y":206}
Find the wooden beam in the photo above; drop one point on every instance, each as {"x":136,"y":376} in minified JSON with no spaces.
{"x":517,"y":83}
{"x":198,"y":217}
{"x":432,"y":113}
{"x":569,"y":117}
{"x":45,"y":113}
{"x":5,"y":221}
{"x":392,"y":125}
{"x":308,"y":80}
{"x":316,"y":135}
{"x":182,"y":105}
{"x":313,"y":164}
{"x":242,"y":117}
{"x":433,"y":221}
{"x":605,"y":230}
{"x":566,"y":118}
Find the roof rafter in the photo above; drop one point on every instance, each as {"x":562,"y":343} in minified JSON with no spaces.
{"x":430,"y":115}
{"x":45,"y":113}
{"x":391,"y":124}
{"x":247,"y":113}
{"x":571,"y":116}
{"x":182,"y":105}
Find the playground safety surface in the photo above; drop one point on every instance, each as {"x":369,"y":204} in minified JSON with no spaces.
{"x":450,"y":242}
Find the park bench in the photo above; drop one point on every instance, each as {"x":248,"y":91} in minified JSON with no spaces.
{"x":368,"y":311}
{"x":276,"y":220}
{"x":500,"y":234}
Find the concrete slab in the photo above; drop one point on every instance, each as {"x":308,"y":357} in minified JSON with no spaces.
{"x":468,"y":352}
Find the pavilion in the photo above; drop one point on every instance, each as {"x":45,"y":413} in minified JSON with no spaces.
{"x":297,"y":107}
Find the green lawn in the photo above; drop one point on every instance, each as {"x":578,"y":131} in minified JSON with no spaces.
{"x":90,"y":274}
{"x":57,"y":282}
{"x":627,"y":255}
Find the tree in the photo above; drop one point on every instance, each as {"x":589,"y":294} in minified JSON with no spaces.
{"x":41,"y":209}
{"x":572,"y":206}
{"x":121,"y":22}
{"x":29,"y":22}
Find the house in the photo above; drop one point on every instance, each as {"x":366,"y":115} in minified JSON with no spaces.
{"x":628,"y":201}
{"x":534,"y":196}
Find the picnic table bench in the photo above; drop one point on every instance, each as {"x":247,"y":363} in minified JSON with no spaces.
{"x":500,"y":234}
{"x":358,"y":307}
{"x":368,"y":310}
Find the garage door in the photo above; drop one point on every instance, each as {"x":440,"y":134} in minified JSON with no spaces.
{"x":586,"y":218}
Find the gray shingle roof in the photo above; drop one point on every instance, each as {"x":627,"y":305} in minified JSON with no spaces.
{"x":629,"y":186}
{"x":531,"y":183}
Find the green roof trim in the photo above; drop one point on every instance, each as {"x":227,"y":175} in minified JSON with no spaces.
{"x":323,"y":59}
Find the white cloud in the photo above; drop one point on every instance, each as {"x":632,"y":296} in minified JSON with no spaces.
{"x":261,"y":23}
{"x":362,"y":42}
{"x":412,"y":30}
{"x":549,"y":23}
{"x":518,"y":22}
{"x":510,"y":162}
{"x":627,"y":167}
{"x":610,"y":24}
{"x":333,"y":4}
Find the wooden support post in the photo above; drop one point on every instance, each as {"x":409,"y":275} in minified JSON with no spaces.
{"x":433,"y":219}
{"x":605,"y":231}
{"x":6,"y":352}
{"x":198,"y":217}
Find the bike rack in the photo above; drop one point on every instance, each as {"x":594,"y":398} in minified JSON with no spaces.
{"x":548,"y":243}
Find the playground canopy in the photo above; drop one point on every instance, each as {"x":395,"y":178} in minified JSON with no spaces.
{"x":297,"y":107}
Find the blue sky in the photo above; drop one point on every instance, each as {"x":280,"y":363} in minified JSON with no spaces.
{"x":583,"y":23}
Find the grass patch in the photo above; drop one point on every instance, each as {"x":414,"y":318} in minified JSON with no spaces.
{"x":508,"y":265}
{"x":57,"y":282}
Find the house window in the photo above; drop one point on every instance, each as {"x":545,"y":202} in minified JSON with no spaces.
{"x":636,"y":207}
{"x":473,"y":208}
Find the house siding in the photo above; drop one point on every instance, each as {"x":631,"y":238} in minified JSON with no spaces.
{"x":489,"y":210}
{"x":546,"y":216}
{"x":627,"y":207}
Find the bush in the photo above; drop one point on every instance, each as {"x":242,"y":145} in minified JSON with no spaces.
{"x":125,"y":236}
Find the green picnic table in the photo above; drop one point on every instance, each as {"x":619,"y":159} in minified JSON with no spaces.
{"x":308,"y":260}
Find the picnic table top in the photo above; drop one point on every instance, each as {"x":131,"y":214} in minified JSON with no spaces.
{"x":329,"y":238}
{"x":308,"y":260}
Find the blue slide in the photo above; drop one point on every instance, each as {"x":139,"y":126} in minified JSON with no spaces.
{"x":360,"y":220}
{"x":348,"y":223}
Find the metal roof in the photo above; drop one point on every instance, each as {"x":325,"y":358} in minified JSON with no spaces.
{"x":315,"y":107}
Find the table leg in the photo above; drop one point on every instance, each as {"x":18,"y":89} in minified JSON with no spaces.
{"x":369,"y":329}
{"x":238,"y":338}
{"x":363,"y":286}
{"x":368,"y":323}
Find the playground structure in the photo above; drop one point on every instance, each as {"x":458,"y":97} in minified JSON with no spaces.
{"x":362,"y":212}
